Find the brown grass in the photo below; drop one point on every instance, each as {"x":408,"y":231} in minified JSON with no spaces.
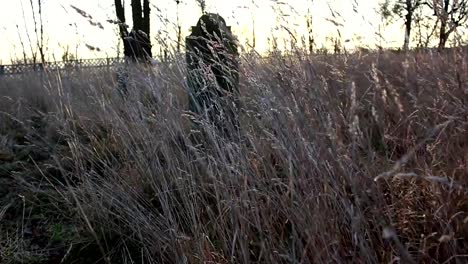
{"x":360,"y":158}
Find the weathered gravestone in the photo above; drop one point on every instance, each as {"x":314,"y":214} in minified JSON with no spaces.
{"x":213,"y":73}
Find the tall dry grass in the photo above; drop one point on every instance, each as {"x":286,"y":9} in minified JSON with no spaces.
{"x":359,"y":158}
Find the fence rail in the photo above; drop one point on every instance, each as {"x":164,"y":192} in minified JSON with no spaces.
{"x":15,"y":69}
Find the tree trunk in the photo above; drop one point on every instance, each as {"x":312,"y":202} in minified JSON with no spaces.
{"x":120,"y":11}
{"x":137,"y":15}
{"x":408,"y":24}
{"x":443,"y":36}
{"x":407,"y":32}
{"x":146,"y":17}
{"x":137,"y":44}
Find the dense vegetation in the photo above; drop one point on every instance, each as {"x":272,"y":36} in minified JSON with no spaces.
{"x":343,"y":158}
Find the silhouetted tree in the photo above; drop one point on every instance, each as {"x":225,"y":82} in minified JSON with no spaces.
{"x":451,"y":14}
{"x":137,"y":43}
{"x":402,"y":9}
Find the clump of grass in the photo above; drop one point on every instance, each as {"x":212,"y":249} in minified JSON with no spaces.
{"x":342,"y":158}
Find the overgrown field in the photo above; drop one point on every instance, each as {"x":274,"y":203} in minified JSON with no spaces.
{"x":342,"y":159}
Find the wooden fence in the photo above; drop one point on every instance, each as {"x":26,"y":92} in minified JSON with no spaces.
{"x":15,"y":69}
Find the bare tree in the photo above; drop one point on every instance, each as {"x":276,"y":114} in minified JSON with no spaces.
{"x":402,"y":9}
{"x":137,"y":44}
{"x":452,"y":14}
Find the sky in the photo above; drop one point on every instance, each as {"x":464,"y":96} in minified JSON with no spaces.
{"x":355,"y":20}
